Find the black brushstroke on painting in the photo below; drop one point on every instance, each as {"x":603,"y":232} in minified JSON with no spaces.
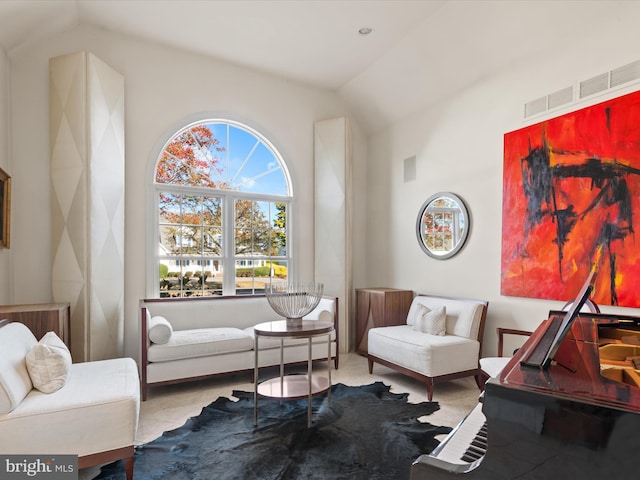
{"x":541,"y":187}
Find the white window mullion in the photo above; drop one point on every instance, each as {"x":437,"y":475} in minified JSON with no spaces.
{"x":228,"y":245}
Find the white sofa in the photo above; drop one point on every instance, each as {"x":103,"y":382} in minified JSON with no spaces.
{"x":433,"y":358}
{"x":209,"y":336}
{"x":93,"y":415}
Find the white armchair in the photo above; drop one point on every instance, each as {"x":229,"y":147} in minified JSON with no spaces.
{"x":93,"y":415}
{"x":432,"y":348}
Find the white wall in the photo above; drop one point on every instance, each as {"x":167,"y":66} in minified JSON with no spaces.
{"x":163,"y":88}
{"x":5,"y":254}
{"x":459,"y":147}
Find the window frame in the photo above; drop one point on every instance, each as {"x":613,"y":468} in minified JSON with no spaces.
{"x":228,"y":199}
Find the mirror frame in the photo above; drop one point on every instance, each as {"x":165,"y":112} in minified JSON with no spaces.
{"x":465,"y":233}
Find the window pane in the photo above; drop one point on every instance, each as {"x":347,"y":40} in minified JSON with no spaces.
{"x":191,"y":210}
{"x":169,"y":208}
{"x":262,"y":242}
{"x":169,"y":241}
{"x":212,"y":241}
{"x":212,"y":211}
{"x":243,"y":241}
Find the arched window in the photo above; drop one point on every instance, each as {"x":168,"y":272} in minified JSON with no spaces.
{"x":223,"y":199}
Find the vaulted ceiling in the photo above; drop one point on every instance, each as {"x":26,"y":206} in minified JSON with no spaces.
{"x":418,"y":52}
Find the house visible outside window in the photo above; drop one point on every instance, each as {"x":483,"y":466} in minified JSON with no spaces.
{"x":223,"y":199}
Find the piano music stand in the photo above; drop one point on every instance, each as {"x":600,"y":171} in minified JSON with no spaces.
{"x":543,"y":354}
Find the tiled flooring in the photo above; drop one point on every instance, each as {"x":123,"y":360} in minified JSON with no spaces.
{"x":169,"y":407}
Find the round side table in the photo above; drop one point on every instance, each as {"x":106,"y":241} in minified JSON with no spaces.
{"x":292,"y":386}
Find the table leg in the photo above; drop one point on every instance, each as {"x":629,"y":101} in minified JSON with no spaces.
{"x":309,"y":369}
{"x":281,"y":370}
{"x":329,"y":368}
{"x":255,"y":381}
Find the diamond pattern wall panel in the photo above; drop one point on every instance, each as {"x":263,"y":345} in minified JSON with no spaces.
{"x":332,"y":203}
{"x":87,"y":177}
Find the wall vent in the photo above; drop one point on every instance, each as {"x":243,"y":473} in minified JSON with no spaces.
{"x":600,"y":83}
{"x":625,"y":74}
{"x":409,"y":169}
{"x":594,"y":85}
{"x":561,"y":97}
{"x":535,"y":107}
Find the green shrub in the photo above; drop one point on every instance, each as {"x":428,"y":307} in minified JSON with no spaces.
{"x":164,"y":271}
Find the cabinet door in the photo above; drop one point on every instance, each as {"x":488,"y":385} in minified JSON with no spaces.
{"x":41,"y":318}
{"x":379,"y":307}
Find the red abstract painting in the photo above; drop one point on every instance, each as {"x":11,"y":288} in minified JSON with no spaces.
{"x":572,"y":189}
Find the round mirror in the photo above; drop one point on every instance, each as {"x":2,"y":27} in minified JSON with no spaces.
{"x":443,"y":225}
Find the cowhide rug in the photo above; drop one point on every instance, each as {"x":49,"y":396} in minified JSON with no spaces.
{"x":366,"y":433}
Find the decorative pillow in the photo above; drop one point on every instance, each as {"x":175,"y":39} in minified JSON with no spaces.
{"x":433,"y":322}
{"x":49,"y":363}
{"x":326,"y":316}
{"x":415,"y":311}
{"x":160,"y":330}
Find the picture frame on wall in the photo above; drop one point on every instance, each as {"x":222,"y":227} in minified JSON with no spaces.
{"x":5,"y":209}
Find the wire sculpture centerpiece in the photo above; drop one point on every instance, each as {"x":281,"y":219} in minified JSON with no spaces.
{"x":294,"y":300}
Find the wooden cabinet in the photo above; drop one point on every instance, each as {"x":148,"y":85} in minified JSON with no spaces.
{"x":379,"y":307}
{"x":41,"y":318}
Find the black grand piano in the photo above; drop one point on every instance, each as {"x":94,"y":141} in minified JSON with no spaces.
{"x":567,"y":406}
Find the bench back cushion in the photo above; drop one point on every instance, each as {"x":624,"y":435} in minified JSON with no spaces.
{"x":15,"y":342}
{"x":463,"y":316}
{"x":238,"y":312}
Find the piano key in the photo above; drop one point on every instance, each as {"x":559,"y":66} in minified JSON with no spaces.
{"x":457,"y":447}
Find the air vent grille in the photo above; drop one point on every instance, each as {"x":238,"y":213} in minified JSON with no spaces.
{"x":625,"y":74}
{"x":535,"y":107}
{"x":586,"y":88}
{"x":561,"y":97}
{"x":594,"y":85}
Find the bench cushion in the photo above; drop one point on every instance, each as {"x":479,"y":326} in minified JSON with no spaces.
{"x":201,"y":342}
{"x":430,"y":355}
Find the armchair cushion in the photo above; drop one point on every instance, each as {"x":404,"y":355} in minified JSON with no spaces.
{"x":49,"y":363}
{"x":430,"y":355}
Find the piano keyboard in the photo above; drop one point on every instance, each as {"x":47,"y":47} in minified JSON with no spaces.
{"x":467,"y":442}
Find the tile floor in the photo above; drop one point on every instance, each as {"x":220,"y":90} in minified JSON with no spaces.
{"x":168,"y":407}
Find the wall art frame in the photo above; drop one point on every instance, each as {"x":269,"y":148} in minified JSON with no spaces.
{"x":443,"y":225}
{"x":571,"y":198}
{"x":5,"y":209}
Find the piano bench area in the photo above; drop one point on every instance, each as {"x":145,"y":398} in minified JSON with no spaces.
{"x":430,"y":347}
